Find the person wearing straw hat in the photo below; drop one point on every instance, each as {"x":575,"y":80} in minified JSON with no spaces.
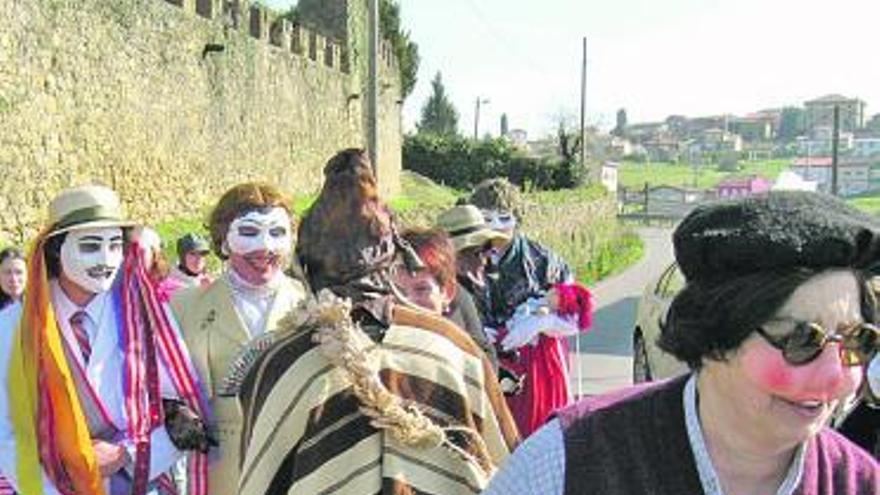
{"x":360,"y":392}
{"x":534,"y":306}
{"x":252,"y":231}
{"x":472,"y":239}
{"x":99,"y":395}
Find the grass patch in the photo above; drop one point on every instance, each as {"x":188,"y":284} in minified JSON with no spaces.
{"x":421,"y":200}
{"x":868,"y":204}
{"x":613,"y":257}
{"x":562,"y":196}
{"x":417,"y":191}
{"x":635,"y":175}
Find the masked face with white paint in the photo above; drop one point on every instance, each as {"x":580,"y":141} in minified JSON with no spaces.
{"x":90,"y":258}
{"x":500,"y":221}
{"x":258,"y":244}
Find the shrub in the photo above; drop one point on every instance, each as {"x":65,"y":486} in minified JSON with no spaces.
{"x":462,"y":163}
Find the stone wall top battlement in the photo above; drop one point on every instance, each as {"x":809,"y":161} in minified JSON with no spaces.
{"x":171,"y":102}
{"x":266,"y":25}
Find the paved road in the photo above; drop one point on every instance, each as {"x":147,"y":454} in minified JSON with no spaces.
{"x":606,"y":352}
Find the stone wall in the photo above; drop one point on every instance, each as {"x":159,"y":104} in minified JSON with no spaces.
{"x":171,"y":102}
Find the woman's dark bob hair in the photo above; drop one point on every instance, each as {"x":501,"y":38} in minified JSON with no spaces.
{"x":710,"y":319}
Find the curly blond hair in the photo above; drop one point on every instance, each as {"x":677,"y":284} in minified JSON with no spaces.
{"x":498,"y":194}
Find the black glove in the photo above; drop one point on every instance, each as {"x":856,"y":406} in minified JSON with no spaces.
{"x":185,"y":428}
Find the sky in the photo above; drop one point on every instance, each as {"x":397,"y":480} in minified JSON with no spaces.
{"x":653,"y":58}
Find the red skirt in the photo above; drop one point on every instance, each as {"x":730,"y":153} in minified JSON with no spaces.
{"x":545,"y":387}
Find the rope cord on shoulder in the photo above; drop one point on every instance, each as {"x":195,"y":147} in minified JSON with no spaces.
{"x":345,"y":345}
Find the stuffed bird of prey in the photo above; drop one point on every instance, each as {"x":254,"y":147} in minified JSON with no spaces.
{"x":348,"y":232}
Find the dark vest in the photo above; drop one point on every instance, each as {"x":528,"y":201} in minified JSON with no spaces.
{"x":639,"y":446}
{"x":634,"y":442}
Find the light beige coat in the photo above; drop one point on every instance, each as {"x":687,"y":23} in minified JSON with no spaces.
{"x":215,"y":334}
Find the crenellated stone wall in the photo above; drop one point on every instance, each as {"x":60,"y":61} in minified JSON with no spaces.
{"x":172,"y":101}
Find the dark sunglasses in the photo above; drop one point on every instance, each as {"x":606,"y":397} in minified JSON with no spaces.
{"x":858,"y":342}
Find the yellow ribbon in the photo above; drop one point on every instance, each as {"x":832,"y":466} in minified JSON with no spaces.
{"x":38,"y":353}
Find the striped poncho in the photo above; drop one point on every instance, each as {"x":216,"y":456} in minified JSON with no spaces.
{"x":312,"y":425}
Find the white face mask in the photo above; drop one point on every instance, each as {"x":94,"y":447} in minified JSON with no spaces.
{"x":501,"y":221}
{"x":257,"y":231}
{"x":91,"y":257}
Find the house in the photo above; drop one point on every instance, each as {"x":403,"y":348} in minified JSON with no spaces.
{"x":756,"y":126}
{"x":698,"y":125}
{"x":790,"y":181}
{"x":866,"y":146}
{"x":518,"y":137}
{"x":716,"y":140}
{"x":664,"y":149}
{"x":619,"y":146}
{"x":608,"y":176}
{"x":820,"y":142}
{"x":820,"y":112}
{"x":672,"y":201}
{"x":647,"y":131}
{"x":758,"y":150}
{"x":742,"y":186}
{"x":853,"y":173}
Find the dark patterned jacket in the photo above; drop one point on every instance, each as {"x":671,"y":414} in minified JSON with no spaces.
{"x":527,"y":269}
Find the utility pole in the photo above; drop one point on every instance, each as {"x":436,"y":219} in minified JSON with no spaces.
{"x":480,"y":101}
{"x":835,"y":140}
{"x":373,"y":87}
{"x":583,"y":157}
{"x":583,"y":165}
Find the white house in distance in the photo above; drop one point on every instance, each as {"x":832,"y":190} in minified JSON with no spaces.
{"x":790,"y":181}
{"x":853,"y":176}
{"x":609,"y":176}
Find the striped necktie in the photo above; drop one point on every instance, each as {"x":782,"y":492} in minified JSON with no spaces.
{"x":77,"y":323}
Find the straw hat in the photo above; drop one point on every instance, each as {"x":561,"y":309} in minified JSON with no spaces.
{"x":86,"y":207}
{"x":467,"y":227}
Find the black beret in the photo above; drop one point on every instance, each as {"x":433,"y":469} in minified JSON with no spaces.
{"x":777,"y":231}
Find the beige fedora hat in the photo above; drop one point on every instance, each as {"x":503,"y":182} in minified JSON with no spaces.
{"x":83,"y":207}
{"x":467,"y":227}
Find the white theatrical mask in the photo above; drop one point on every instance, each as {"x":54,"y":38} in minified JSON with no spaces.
{"x":261,"y":231}
{"x":501,"y":221}
{"x":91,"y":257}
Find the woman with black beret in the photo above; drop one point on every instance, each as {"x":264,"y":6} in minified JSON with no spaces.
{"x":777,"y":324}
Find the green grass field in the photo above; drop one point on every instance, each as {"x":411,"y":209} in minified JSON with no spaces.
{"x":634,"y":175}
{"x":869,"y":204}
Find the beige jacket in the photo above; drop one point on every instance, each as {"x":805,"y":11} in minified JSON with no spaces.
{"x":215,"y":334}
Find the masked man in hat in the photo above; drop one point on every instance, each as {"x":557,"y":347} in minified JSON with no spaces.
{"x":99,"y":394}
{"x":534,"y":305}
{"x":251,"y":229}
{"x":359,"y":392}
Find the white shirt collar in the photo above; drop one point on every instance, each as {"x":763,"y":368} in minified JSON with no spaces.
{"x":65,"y":308}
{"x":708,"y":476}
{"x":240,"y":285}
